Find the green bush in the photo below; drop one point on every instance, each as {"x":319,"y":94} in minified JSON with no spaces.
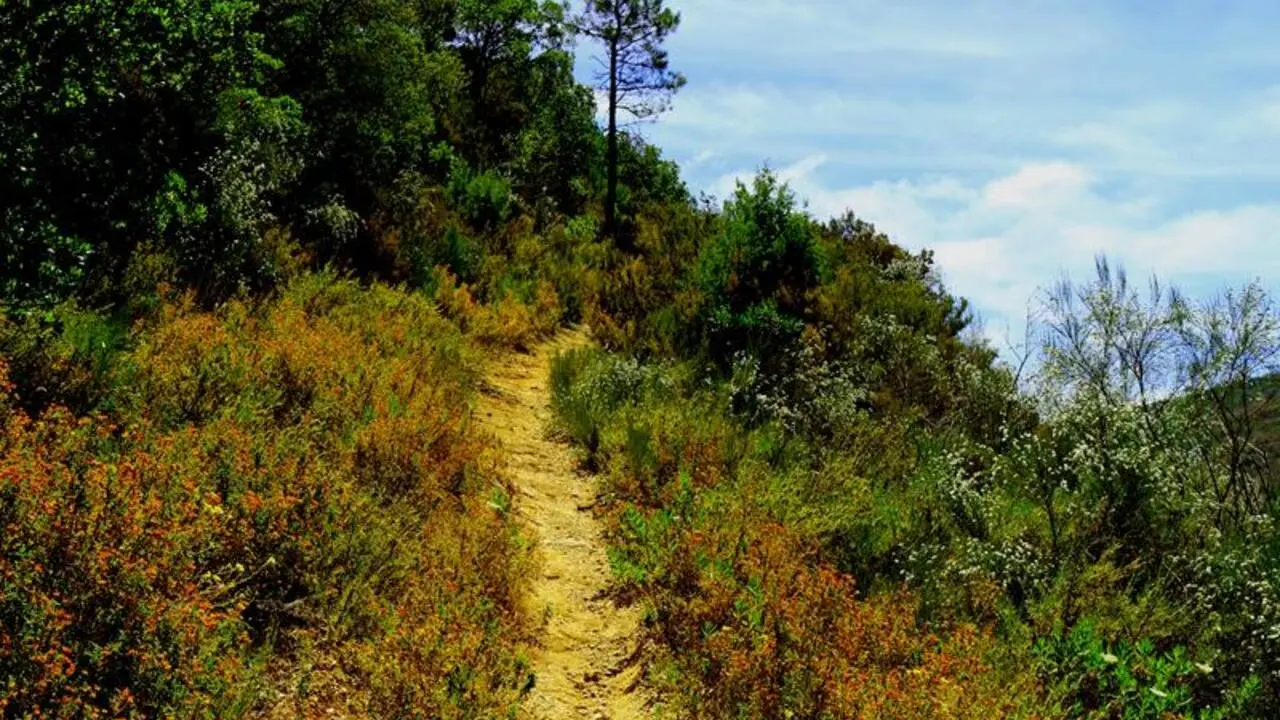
{"x":1089,"y":679}
{"x":63,"y":356}
{"x":483,"y":199}
{"x":758,"y":271}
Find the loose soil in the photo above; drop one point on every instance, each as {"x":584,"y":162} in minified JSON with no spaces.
{"x":585,"y":661}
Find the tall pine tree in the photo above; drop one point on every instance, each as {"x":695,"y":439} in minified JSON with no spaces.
{"x":635,"y":70}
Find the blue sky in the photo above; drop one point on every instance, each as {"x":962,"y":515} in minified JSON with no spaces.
{"x":1016,"y":138}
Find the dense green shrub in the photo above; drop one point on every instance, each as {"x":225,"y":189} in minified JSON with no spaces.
{"x":63,"y":356}
{"x":483,"y":199}
{"x":124,"y":123}
{"x":1091,"y":680}
{"x":757,"y":272}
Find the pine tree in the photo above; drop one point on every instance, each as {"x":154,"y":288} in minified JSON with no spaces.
{"x":635,"y":70}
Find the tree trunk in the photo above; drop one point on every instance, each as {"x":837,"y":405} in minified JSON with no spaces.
{"x":611,"y":194}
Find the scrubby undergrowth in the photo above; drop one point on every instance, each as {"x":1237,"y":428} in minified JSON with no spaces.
{"x":285,"y":497}
{"x":833,"y":504}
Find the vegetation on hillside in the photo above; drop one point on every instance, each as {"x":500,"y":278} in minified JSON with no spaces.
{"x":295,"y":478}
{"x":251,"y":252}
{"x":1098,"y":544}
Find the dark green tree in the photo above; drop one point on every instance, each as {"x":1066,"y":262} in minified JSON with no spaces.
{"x":758,"y":272}
{"x":635,"y":70}
{"x":558,"y":144}
{"x":125,"y":122}
{"x":374,"y":78}
{"x":500,"y":43}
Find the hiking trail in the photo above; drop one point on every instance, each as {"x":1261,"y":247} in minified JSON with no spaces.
{"x":584,"y":662}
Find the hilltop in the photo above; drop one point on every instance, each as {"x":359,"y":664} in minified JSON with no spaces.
{"x":349,"y":367}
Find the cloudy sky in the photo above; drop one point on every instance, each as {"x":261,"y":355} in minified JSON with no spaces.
{"x":1016,"y":138}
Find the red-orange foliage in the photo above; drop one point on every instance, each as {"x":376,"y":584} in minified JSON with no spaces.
{"x":777,"y":634}
{"x":506,"y":322}
{"x":109,"y":566}
{"x":302,"y":473}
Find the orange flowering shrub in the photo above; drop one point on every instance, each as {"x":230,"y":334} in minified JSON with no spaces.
{"x":776,"y":634}
{"x":128,"y":576}
{"x":506,"y":322}
{"x":285,"y":486}
{"x":6,"y":387}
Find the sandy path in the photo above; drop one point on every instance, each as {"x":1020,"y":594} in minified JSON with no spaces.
{"x":583,"y":663}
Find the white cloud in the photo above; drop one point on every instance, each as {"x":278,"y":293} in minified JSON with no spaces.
{"x":878,"y":130}
{"x":1038,"y":186}
{"x":802,"y":169}
{"x":701,"y":158}
{"x":1000,"y":241}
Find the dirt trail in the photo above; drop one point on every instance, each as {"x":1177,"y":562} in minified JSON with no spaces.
{"x":584,"y":663}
